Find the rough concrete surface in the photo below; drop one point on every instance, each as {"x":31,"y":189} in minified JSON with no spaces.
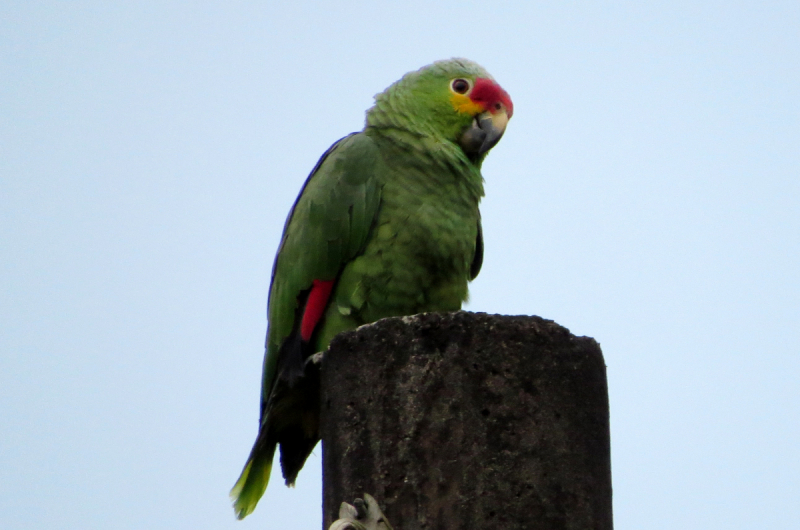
{"x":467,"y":421}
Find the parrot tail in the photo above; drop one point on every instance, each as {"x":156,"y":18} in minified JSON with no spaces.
{"x":254,"y":478}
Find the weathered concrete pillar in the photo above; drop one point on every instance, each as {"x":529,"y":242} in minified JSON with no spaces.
{"x":468,"y":421}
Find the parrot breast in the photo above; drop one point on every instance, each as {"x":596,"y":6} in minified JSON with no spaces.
{"x":420,"y":250}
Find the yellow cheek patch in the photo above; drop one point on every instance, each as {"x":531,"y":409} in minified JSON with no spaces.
{"x":464,"y":105}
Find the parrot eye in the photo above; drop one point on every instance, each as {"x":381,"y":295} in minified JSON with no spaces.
{"x":460,"y":86}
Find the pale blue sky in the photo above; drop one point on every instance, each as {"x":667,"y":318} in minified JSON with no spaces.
{"x":646,"y":194}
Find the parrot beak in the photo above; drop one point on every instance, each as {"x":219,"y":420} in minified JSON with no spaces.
{"x":486,"y":130}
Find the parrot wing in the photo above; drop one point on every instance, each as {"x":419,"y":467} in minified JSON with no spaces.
{"x":477,"y":259}
{"x":328,"y":226}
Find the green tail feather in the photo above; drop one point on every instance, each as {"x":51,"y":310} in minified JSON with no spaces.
{"x":252,"y":482}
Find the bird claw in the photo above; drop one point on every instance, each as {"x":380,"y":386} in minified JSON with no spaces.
{"x":315,"y":359}
{"x":363,"y":514}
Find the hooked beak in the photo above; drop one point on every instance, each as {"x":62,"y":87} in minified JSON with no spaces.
{"x":486,"y":130}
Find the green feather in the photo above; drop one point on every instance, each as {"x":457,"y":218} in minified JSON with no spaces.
{"x":252,"y":483}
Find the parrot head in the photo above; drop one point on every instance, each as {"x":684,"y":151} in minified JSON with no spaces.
{"x":454,"y":100}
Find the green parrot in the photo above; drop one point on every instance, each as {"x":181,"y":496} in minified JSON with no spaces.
{"x":387,"y":224}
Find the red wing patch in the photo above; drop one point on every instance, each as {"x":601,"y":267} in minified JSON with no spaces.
{"x":315,"y":307}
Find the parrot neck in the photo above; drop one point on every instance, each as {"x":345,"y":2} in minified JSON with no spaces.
{"x":392,"y":117}
{"x":446,"y":163}
{"x":388,"y":130}
{"x":401,"y":131}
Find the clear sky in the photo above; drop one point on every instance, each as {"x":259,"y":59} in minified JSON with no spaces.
{"x":646,"y":194}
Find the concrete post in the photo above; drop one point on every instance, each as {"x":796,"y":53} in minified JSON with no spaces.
{"x":468,"y":421}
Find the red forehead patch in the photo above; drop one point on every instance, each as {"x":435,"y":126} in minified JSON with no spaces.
{"x":488,"y":93}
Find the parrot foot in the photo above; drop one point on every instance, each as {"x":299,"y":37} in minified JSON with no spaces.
{"x":316,"y":358}
{"x":365,"y":515}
